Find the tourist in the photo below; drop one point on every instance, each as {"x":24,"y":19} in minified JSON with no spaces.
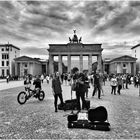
{"x":47,"y":79}
{"x":101,"y":80}
{"x":87,"y":86}
{"x":132,"y":79}
{"x":96,"y":84}
{"x":65,"y":78}
{"x":137,"y":81}
{"x":113,"y":84}
{"x":57,"y":90}
{"x":123,"y":80}
{"x":127,"y":81}
{"x":69,"y":79}
{"x":27,"y":82}
{"x":119,"y":82}
{"x":7,"y":78}
{"x":42,"y":78}
{"x":37,"y":82}
{"x":62,"y":77}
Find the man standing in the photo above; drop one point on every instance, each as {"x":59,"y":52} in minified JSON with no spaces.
{"x":79,"y":78}
{"x":120,"y":82}
{"x":57,"y":90}
{"x":97,"y":85}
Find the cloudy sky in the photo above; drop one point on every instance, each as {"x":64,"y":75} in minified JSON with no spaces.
{"x":32,"y":25}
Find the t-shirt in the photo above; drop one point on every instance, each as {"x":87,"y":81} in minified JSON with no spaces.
{"x":113,"y":82}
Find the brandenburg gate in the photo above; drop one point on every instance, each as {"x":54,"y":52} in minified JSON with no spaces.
{"x":74,"y":48}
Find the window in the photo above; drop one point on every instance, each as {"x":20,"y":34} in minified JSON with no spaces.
{"x":135,"y":51}
{"x":7,"y":63}
{"x":135,"y":55}
{"x":2,"y":63}
{"x":2,"y":49}
{"x":5,"y":56}
{"x":7,"y":48}
{"x":2,"y":56}
{"x":11,"y":48}
{"x":2,"y":72}
{"x":15,"y":51}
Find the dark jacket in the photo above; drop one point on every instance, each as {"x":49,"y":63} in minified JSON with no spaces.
{"x":37,"y":83}
{"x":56,"y":86}
{"x":96,"y":80}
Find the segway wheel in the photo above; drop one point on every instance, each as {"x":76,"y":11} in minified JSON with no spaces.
{"x":21,"y":98}
{"x":41,"y":96}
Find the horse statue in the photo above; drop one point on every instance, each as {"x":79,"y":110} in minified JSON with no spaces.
{"x":80,"y":39}
{"x":70,"y":39}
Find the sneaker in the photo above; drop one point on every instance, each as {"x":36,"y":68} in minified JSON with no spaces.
{"x":55,"y":109}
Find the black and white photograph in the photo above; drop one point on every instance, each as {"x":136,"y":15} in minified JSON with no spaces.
{"x":69,"y":69}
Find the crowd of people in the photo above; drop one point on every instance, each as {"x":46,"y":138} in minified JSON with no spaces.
{"x":80,"y":82}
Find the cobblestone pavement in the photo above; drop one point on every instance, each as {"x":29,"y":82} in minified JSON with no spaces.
{"x":11,"y":84}
{"x":37,"y":120}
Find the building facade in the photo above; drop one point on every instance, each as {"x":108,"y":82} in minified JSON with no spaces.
{"x":74,"y":48}
{"x":136,"y":54}
{"x":124,"y":64}
{"x":8,"y":53}
{"x":26,"y":65}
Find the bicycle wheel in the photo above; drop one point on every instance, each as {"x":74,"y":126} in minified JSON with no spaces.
{"x":21,"y":98}
{"x":41,"y":96}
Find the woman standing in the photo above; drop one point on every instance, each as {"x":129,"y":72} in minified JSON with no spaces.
{"x":113,"y":84}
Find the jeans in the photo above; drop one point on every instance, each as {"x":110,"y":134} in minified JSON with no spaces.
{"x":56,"y":99}
{"x":113,"y":90}
{"x":96,"y":87}
{"x":82,"y":96}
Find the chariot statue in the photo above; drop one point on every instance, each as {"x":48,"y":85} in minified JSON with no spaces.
{"x":75,"y":38}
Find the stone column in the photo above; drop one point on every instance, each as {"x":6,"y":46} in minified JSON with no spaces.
{"x":99,"y":59}
{"x":69,"y":63}
{"x":47,"y":67}
{"x":28,"y":68}
{"x":21,"y":69}
{"x":90,"y":63}
{"x":34,"y":70}
{"x":60,"y":63}
{"x":51,"y":66}
{"x":121,"y":67}
{"x":15,"y":68}
{"x":114,"y":68}
{"x":129,"y":68}
{"x":81,"y":62}
{"x":134,"y":67}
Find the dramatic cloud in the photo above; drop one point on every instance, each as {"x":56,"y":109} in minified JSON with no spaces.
{"x":32,"y":25}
